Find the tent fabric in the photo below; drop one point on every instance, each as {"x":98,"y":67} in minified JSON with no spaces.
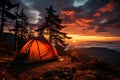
{"x":36,"y":50}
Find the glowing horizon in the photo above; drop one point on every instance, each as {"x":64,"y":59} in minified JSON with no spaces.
{"x":76,"y":38}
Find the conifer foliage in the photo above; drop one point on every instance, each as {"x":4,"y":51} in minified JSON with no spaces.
{"x":6,"y":12}
{"x":52,"y":28}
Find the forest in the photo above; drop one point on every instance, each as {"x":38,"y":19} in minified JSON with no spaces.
{"x":14,"y":18}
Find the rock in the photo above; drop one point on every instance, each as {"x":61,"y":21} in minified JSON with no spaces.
{"x":48,"y":74}
{"x":57,"y":71}
{"x":56,"y":78}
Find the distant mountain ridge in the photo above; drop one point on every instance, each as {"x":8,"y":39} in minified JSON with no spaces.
{"x":108,"y":55}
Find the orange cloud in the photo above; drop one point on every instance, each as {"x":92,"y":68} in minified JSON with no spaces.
{"x":83,"y":24}
{"x":70,"y":24}
{"x":68,"y":13}
{"x":97,"y":14}
{"x":72,"y":28}
{"x":107,"y":8}
{"x":75,"y":28}
{"x":86,"y":20}
{"x":74,"y":22}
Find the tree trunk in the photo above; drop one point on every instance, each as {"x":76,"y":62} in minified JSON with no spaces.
{"x":21,"y":33}
{"x":2,"y":25}
{"x":50,"y":36}
{"x":16,"y":28}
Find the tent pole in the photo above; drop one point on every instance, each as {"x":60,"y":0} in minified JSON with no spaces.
{"x":38,"y":49}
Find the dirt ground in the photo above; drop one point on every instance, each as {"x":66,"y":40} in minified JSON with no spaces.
{"x":72,"y":68}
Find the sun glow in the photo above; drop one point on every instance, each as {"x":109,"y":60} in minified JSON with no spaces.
{"x":74,"y":41}
{"x":76,"y":38}
{"x":35,"y":34}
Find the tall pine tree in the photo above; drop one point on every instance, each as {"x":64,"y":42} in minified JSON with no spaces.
{"x":20,"y":29}
{"x":22,"y":25}
{"x":6,"y":7}
{"x":52,"y":28}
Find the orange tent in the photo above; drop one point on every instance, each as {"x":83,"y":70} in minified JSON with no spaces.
{"x":36,"y":50}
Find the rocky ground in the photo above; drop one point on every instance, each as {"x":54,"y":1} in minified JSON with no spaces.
{"x":72,"y":68}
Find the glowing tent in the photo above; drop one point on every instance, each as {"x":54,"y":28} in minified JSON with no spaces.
{"x":36,"y":50}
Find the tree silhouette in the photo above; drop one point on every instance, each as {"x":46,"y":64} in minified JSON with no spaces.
{"x":52,"y":27}
{"x":22,"y":25}
{"x":16,"y":26}
{"x":5,"y":10}
{"x":20,"y":28}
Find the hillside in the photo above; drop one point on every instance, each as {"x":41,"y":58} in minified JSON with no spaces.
{"x":107,"y":55}
{"x":74,"y":67}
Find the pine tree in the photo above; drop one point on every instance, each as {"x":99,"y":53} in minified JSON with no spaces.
{"x":22,"y":25}
{"x":16,"y":27}
{"x":52,"y":28}
{"x":20,"y":28}
{"x":5,"y":9}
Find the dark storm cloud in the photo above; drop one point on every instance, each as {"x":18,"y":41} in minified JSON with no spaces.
{"x":38,"y":7}
{"x":107,"y":16}
{"x":100,"y":15}
{"x":94,"y":4}
{"x":63,"y":3}
{"x":112,"y":22}
{"x":87,"y":10}
{"x":76,"y":9}
{"x":35,"y":9}
{"x":108,"y":21}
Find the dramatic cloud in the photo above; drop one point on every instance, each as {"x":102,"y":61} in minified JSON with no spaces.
{"x":78,"y":3}
{"x":108,"y":7}
{"x":68,"y":13}
{"x":84,"y":22}
{"x":84,"y":17}
{"x":33,"y":13}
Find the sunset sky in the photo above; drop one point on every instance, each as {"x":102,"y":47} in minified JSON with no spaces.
{"x":94,"y":20}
